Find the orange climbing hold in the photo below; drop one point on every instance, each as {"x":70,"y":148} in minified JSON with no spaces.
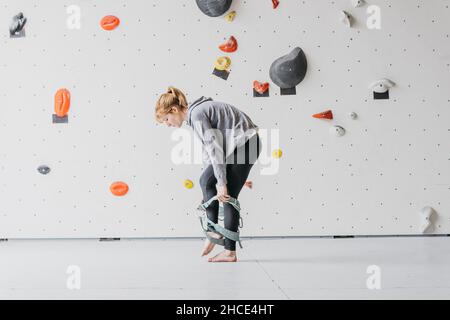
{"x":119,"y":188}
{"x":324,"y":115}
{"x":62,"y":102}
{"x":109,"y":22}
{"x":260,"y":87}
{"x":275,"y":3}
{"x":229,"y":46}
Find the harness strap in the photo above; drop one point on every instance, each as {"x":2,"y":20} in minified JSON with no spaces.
{"x":209,"y":226}
{"x":234,"y":202}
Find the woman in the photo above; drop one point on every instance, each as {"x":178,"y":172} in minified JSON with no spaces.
{"x":231,"y":146}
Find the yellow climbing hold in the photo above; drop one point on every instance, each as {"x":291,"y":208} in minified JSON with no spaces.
{"x":223,"y":63}
{"x":277,"y":153}
{"x":188,"y":184}
{"x":230,"y":16}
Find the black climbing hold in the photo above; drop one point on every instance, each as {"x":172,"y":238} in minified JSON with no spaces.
{"x":381,"y":95}
{"x":289,"y":70}
{"x":256,"y":94}
{"x":223,"y":74}
{"x":17,"y":25}
{"x":57,"y":119}
{"x":44,"y":169}
{"x":214,"y":8}
{"x":381,"y":88}
{"x":288,"y":91}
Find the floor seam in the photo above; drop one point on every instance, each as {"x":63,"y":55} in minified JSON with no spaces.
{"x":273,"y":281}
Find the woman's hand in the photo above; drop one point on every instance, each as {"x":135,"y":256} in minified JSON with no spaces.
{"x":222,"y":193}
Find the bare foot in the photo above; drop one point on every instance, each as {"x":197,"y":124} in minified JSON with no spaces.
{"x":224,"y":256}
{"x":208,"y":244}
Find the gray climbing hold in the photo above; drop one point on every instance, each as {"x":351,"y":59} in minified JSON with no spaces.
{"x":289,"y":70}
{"x":427,"y":214}
{"x":358,"y":3}
{"x":214,"y":8}
{"x":337,"y":131}
{"x":353,"y":115}
{"x":17,"y":24}
{"x":382,"y":85}
{"x":44,"y":169}
{"x":346,"y":19}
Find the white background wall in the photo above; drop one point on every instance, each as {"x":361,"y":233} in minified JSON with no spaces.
{"x":393,"y":160}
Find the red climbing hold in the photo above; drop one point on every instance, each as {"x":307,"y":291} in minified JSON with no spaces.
{"x":275,"y":3}
{"x":109,"y":22}
{"x":260,"y":87}
{"x":324,"y":115}
{"x":119,"y":188}
{"x":62,"y":102}
{"x":229,"y":46}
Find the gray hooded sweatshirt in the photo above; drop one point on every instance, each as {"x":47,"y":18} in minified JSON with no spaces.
{"x":221,"y":128}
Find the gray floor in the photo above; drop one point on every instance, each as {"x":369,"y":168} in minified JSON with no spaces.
{"x":308,"y":268}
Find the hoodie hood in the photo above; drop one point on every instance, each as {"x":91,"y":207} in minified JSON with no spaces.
{"x":194,"y":104}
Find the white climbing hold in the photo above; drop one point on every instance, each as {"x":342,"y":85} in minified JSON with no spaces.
{"x":381,"y":86}
{"x":346,"y":19}
{"x":426,"y":215}
{"x":353,"y":115}
{"x":337,"y":131}
{"x":358,"y":3}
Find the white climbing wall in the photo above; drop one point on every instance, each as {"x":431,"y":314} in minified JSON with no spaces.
{"x":393,"y":160}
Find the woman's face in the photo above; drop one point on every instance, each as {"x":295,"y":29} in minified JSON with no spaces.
{"x":174,"y":119}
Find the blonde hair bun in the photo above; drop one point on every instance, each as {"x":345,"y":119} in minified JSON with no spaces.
{"x":172,"y":98}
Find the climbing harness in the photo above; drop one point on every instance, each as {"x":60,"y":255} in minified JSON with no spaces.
{"x":209,"y":226}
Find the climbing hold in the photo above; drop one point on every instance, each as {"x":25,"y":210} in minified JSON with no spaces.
{"x":221,"y":67}
{"x":346,"y":19}
{"x":43,"y":169}
{"x":109,"y":22}
{"x":229,"y":46}
{"x":324,"y":115}
{"x":260,"y":87}
{"x":275,"y":3}
{"x":353,"y":115}
{"x":17,"y":25}
{"x":119,"y":188}
{"x":289,"y":70}
{"x":358,"y":3}
{"x":214,"y":8}
{"x":381,"y":88}
{"x":222,"y":63}
{"x":188,"y":184}
{"x":426,"y":215}
{"x":277,"y":153}
{"x":62,"y":102}
{"x":337,"y":131}
{"x":230,"y":16}
{"x":248,"y":184}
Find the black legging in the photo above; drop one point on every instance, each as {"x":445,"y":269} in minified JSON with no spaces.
{"x":238,"y":170}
